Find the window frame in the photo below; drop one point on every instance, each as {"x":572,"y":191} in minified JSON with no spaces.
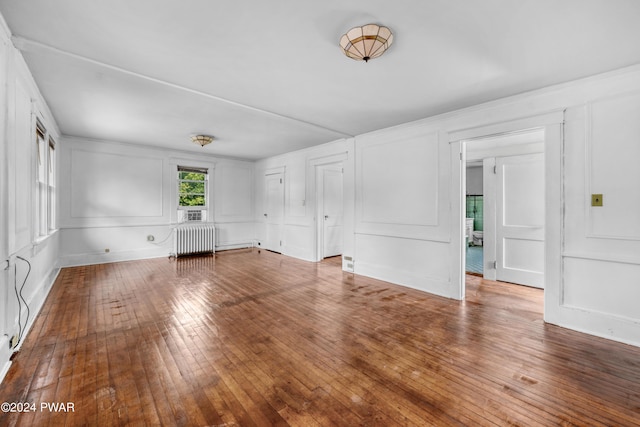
{"x":41,"y":228}
{"x":45,"y":170}
{"x":51,"y":184}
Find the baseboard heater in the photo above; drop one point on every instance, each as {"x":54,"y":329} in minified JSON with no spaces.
{"x":192,"y":239}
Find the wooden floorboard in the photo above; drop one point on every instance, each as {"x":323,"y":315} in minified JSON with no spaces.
{"x":253,"y":338}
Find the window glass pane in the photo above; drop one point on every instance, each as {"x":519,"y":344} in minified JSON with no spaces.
{"x":52,"y":153}
{"x":192,"y":187}
{"x":192,"y":176}
{"x":42,"y":161}
{"x":192,"y":200}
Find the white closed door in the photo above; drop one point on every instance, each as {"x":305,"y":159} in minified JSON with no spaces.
{"x":520,"y":211}
{"x":332,"y":212}
{"x":274,"y":211}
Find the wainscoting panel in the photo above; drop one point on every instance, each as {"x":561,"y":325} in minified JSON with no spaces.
{"x":402,"y":184}
{"x":234,"y":191}
{"x":602,"y":286}
{"x":105,"y":185}
{"x":417,"y":264}
{"x":613,"y":150}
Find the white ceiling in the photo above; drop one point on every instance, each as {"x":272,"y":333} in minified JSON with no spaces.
{"x":267,"y":77}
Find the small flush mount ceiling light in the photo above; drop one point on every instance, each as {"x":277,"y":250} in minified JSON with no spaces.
{"x":201,"y":140}
{"x":366,"y":42}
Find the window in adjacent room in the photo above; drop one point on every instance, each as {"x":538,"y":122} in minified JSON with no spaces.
{"x":192,"y":194}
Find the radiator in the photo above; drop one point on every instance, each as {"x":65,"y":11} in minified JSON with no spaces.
{"x":192,"y":239}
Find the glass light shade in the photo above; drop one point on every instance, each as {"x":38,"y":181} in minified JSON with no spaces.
{"x":202,"y":140}
{"x":366,"y":42}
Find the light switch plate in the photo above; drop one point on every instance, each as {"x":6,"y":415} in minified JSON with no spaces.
{"x":596,"y":200}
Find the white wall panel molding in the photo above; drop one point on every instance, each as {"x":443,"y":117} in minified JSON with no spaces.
{"x":602,"y":325}
{"x":402,"y":183}
{"x":233,"y":192}
{"x":435,"y":239}
{"x":602,"y":287}
{"x":234,"y":234}
{"x":235,"y":245}
{"x":298,"y":242}
{"x":612,"y":153}
{"x":295,"y":211}
{"x":434,"y":285}
{"x":605,"y":257}
{"x":20,"y":169}
{"x":101,"y":258}
{"x":110,"y":186}
{"x":417,"y":264}
{"x":99,"y":245}
{"x":399,"y":181}
{"x":4,"y":163}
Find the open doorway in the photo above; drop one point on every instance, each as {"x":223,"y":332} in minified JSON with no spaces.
{"x":505,"y":207}
{"x":474,"y":218}
{"x":329,"y":210}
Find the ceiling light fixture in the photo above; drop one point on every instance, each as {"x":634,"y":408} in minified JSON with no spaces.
{"x":366,"y":42}
{"x":201,"y":140}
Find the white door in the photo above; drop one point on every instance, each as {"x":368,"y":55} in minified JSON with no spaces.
{"x":332,"y":212}
{"x":520,"y":219}
{"x":274,"y":212}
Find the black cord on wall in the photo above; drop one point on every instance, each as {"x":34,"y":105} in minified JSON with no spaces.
{"x":21,"y":299}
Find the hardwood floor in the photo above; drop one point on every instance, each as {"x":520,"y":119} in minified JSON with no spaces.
{"x":250,"y":337}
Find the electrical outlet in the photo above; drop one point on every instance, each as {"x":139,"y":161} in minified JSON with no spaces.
{"x":13,"y":342}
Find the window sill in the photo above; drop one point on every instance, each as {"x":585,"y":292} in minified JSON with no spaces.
{"x":42,"y":239}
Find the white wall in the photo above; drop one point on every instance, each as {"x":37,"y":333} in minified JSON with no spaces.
{"x":601,"y":258}
{"x":402,"y":215}
{"x":28,"y":261}
{"x":407,"y":221}
{"x":115,"y":195}
{"x":592,"y":254}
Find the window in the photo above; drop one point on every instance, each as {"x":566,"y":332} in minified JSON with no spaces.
{"x":41,"y":182}
{"x":192,"y":194}
{"x":45,"y":199}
